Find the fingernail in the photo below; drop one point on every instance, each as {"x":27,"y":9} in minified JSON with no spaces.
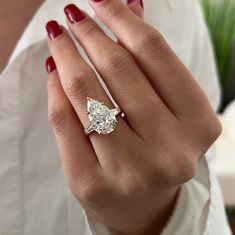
{"x":136,"y":1}
{"x":73,"y":13}
{"x":97,"y":0}
{"x":50,"y":65}
{"x":53,"y":29}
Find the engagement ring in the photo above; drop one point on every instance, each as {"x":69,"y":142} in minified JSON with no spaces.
{"x":102,"y":119}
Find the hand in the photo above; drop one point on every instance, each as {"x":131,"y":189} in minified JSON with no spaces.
{"x":128,"y":179}
{"x":15,"y":22}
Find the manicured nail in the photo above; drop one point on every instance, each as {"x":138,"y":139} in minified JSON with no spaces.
{"x":50,"y":65}
{"x":73,"y":13}
{"x":136,"y":1}
{"x":97,"y":0}
{"x":53,"y":29}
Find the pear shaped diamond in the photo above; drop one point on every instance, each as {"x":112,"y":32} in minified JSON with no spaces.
{"x":102,"y":119}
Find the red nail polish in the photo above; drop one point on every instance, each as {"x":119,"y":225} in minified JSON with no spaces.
{"x":73,"y":13}
{"x":137,"y":1}
{"x":50,"y":65}
{"x":53,"y":29}
{"x":97,"y":0}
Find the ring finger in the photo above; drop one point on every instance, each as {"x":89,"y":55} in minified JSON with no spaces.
{"x":123,"y":77}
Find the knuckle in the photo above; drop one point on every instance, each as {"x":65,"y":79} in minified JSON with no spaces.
{"x":209,"y":128}
{"x":60,"y":46}
{"x":178,"y":168}
{"x":185,"y":168}
{"x":134,"y":185}
{"x":149,"y":41}
{"x":89,"y":30}
{"x":187,"y":172}
{"x":115,"y":62}
{"x":92,"y":191}
{"x":57,"y":117}
{"x":78,"y":85}
{"x":114,"y":10}
{"x":134,"y":189}
{"x":214,"y":129}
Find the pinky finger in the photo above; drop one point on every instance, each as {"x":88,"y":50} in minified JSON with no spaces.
{"x":136,"y":6}
{"x":78,"y":159}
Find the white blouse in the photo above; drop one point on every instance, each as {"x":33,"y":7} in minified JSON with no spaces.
{"x":34,"y":197}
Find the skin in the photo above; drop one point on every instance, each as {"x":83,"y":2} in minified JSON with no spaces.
{"x":129,"y":179}
{"x":16,"y":23}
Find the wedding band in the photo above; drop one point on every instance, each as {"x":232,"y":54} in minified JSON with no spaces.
{"x":102,"y":119}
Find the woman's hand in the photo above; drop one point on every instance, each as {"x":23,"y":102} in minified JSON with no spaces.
{"x":14,"y":17}
{"x":128,"y":179}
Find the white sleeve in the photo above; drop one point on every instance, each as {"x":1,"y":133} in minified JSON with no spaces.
{"x":202,"y":61}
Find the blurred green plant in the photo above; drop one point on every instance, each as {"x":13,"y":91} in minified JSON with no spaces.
{"x":220,"y":17}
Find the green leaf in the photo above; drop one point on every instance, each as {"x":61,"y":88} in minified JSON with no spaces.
{"x":220,"y":17}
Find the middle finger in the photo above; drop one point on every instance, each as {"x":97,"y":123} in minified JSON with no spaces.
{"x":168,"y":75}
{"x":125,"y":80}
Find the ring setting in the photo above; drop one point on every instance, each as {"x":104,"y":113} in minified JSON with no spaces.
{"x":102,"y":119}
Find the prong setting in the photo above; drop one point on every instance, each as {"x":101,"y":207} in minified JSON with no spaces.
{"x":102,"y":119}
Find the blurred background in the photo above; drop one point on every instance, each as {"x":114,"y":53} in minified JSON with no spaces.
{"x":220,"y":17}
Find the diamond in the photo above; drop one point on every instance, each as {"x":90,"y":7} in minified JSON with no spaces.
{"x":102,"y":119}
